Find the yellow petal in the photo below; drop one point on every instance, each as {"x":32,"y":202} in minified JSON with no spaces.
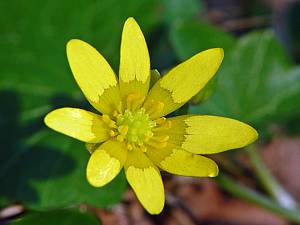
{"x":145,"y":179}
{"x":94,"y":76}
{"x":209,"y":134}
{"x":184,"y":81}
{"x":177,"y":161}
{"x":134,"y":70}
{"x":105,"y":163}
{"x":77,"y":123}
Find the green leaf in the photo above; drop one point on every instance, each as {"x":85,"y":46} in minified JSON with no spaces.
{"x":33,"y":62}
{"x":48,"y":171}
{"x":39,"y":168}
{"x":257,"y":83}
{"x":189,"y":38}
{"x":180,"y":9}
{"x":58,"y":217}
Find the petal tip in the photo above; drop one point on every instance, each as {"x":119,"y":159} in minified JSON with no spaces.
{"x":91,"y":181}
{"x":219,"y":51}
{"x":130,"y":20}
{"x":157,"y":211}
{"x":46,"y":119}
{"x":52,"y":116}
{"x":71,"y":42}
{"x":214,"y":172}
{"x":131,"y":24}
{"x":253,"y":135}
{"x":74,"y":44}
{"x":49,"y":118}
{"x":102,"y":168}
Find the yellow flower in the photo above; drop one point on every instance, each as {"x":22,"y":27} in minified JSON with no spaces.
{"x":132,"y":131}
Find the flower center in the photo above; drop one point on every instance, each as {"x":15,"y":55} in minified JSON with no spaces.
{"x":135,"y":126}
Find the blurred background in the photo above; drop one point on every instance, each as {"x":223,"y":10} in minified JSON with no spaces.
{"x":42,"y":173}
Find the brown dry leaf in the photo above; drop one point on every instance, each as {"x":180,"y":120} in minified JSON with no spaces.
{"x":209,"y":204}
{"x":190,"y":201}
{"x":178,"y":217}
{"x":282,"y":157}
{"x":108,"y":217}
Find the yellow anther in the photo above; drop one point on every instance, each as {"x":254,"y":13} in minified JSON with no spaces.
{"x":163,"y":127}
{"x":143,"y":148}
{"x":120,"y":138}
{"x":160,"y":121}
{"x":148,"y":136}
{"x":123,"y":130}
{"x":112,"y":133}
{"x":129,"y":147}
{"x":115,"y":113}
{"x":112,"y":124}
{"x":106,"y":118}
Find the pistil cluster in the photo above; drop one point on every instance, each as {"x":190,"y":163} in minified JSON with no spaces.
{"x":134,"y":126}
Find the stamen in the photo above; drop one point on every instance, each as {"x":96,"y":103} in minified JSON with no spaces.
{"x":120,"y":138}
{"x":148,"y":135}
{"x":162,"y":127}
{"x":123,"y":130}
{"x":112,"y":133}
{"x":106,"y":118}
{"x":109,"y":122}
{"x":129,"y":147}
{"x":112,"y":124}
{"x":160,"y":121}
{"x":143,"y":148}
{"x":115,"y":113}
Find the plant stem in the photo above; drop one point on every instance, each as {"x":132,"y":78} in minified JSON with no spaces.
{"x":268,"y":182}
{"x":254,"y":197}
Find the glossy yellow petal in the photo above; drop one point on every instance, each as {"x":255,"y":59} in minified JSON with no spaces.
{"x":134,"y":70}
{"x":183,"y":82}
{"x":209,"y":134}
{"x":180,"y":162}
{"x":105,"y":163}
{"x":94,"y":76}
{"x":77,"y":123}
{"x":145,"y":179}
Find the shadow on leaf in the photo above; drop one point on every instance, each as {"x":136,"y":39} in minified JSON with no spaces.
{"x":20,"y":164}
